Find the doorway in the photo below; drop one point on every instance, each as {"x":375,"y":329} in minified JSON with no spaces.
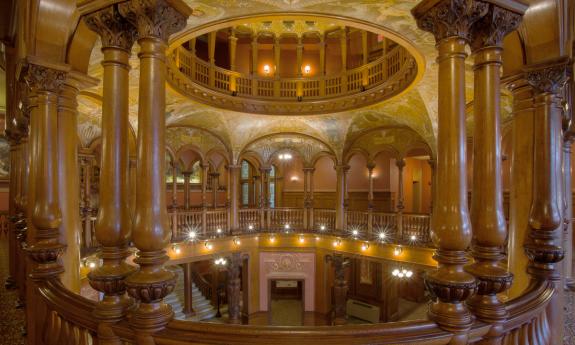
{"x":286,"y":302}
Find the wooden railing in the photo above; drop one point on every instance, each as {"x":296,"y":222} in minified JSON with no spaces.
{"x":324,"y":220}
{"x":354,"y":80}
{"x":203,"y":285}
{"x":203,"y":222}
{"x":361,"y":86}
{"x":285,"y":219}
{"x":63,"y":317}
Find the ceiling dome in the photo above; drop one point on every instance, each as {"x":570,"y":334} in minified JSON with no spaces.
{"x":290,"y":65}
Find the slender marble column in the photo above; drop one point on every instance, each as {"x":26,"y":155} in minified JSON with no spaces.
{"x":205,"y":172}
{"x":400,"y":163}
{"x":114,"y":219}
{"x":174,"y":186}
{"x":450,"y":285}
{"x":370,"y":167}
{"x":340,"y":197}
{"x":187,"y":189}
{"x":546,"y":215}
{"x":155,"y":20}
{"x":215,"y":187}
{"x":234,"y":171}
{"x":487,"y":216}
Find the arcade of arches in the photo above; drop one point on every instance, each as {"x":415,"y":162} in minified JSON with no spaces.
{"x":274,"y":171}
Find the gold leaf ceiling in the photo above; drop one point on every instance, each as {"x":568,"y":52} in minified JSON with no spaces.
{"x":415,"y":109}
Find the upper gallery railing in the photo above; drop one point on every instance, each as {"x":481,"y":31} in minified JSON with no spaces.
{"x":382,"y":78}
{"x":411,"y":229}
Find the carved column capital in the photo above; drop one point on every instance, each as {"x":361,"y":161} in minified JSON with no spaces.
{"x":449,"y":18}
{"x":548,"y":77}
{"x":44,"y":78}
{"x":491,"y":28}
{"x":155,"y":18}
{"x":114,"y":29}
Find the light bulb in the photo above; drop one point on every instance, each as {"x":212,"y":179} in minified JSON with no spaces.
{"x":413,"y":237}
{"x":322,"y":228}
{"x":355,"y":232}
{"x":286,"y":226}
{"x":301,"y":239}
{"x":381,"y":236}
{"x":192,"y":235}
{"x":266,"y":69}
{"x":364,"y":247}
{"x":92,"y":264}
{"x":400,"y":274}
{"x":272,"y":239}
{"x":219,"y":231}
{"x":250,"y":227}
{"x":395,"y":272}
{"x":397,"y":251}
{"x":408,"y":274}
{"x":237,"y":241}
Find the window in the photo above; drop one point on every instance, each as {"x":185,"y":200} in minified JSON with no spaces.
{"x":245,"y":194}
{"x":195,"y":177}
{"x":245,"y":170}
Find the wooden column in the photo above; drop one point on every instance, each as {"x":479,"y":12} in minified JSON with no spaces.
{"x":450,"y":285}
{"x":212,"y":57}
{"x":370,"y":205}
{"x":487,"y":216}
{"x":68,"y":176}
{"x":546,"y":216}
{"x":522,"y":177}
{"x":400,"y":163}
{"x":340,"y":288}
{"x":322,"y":47}
{"x":187,"y":189}
{"x":233,"y":43}
{"x":568,"y":138}
{"x":155,"y":21}
{"x":308,"y":196}
{"x":365,"y":56}
{"x":114,"y":221}
{"x":234,"y":171}
{"x":254,"y":64}
{"x":44,"y":247}
{"x":299,"y":64}
{"x":188,"y":309}
{"x":233,"y":287}
{"x":276,"y":67}
{"x":343,"y":51}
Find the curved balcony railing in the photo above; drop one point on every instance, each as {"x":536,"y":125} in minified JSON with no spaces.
{"x":66,"y":318}
{"x":223,"y":88}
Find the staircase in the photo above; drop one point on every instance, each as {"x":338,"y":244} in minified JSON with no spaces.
{"x":204,"y":310}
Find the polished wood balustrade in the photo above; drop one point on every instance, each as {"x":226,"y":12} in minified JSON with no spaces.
{"x":66,"y":318}
{"x":382,"y":78}
{"x":4,"y":223}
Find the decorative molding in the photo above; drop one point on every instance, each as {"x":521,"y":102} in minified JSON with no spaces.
{"x":449,"y":18}
{"x":155,"y":18}
{"x":493,"y":27}
{"x":548,"y":77}
{"x":114,"y":29}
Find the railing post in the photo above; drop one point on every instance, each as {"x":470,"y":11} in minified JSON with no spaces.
{"x":155,"y":21}
{"x":204,"y":220}
{"x":450,"y":285}
{"x":212,"y":58}
{"x":546,"y":217}
{"x":44,"y":247}
{"x":487,"y":216}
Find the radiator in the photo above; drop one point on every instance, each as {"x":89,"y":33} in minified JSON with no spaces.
{"x":363,"y":311}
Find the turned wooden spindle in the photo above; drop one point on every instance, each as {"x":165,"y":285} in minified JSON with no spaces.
{"x":546,"y":216}
{"x":487,"y":216}
{"x":114,"y":220}
{"x":155,"y":20}
{"x":450,"y":22}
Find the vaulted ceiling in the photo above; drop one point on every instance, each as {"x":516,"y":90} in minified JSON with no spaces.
{"x":415,"y":109}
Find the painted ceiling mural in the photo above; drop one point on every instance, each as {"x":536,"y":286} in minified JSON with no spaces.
{"x":416,"y":109}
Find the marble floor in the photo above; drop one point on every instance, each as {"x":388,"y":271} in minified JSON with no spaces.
{"x":12,"y":319}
